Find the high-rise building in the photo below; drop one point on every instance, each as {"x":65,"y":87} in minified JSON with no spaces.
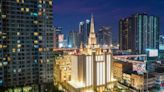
{"x":84,"y":29}
{"x":161,"y":42}
{"x":124,"y":34}
{"x":88,"y":22}
{"x":26,"y":42}
{"x":139,"y":32}
{"x":82,"y":33}
{"x":73,"y":41}
{"x":58,"y":37}
{"x":104,"y":36}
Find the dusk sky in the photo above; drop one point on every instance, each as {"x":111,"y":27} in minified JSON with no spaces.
{"x":68,"y":13}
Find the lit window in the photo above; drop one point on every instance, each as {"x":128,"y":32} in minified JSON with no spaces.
{"x":22,"y":1}
{"x":8,"y":58}
{"x":22,"y":9}
{"x":35,"y":22}
{"x":40,"y":49}
{"x":40,"y":6}
{"x":3,"y":16}
{"x":40,"y":38}
{"x":40,"y":13}
{"x":36,"y":42}
{"x":4,"y":46}
{"x":18,"y":33}
{"x":18,"y":50}
{"x":36,"y":33}
{"x":17,"y":1}
{"x":48,"y":60}
{"x":0,"y":64}
{"x":19,"y":45}
{"x":40,"y":1}
{"x":4,"y":59}
{"x":3,"y":37}
{"x":14,"y":50}
{"x":1,"y":46}
{"x":50,"y":2}
{"x":14,"y":70}
{"x":5,"y":63}
{"x":27,"y":9}
{"x":18,"y":41}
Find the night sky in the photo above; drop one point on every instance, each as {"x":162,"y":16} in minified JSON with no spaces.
{"x":68,"y":13}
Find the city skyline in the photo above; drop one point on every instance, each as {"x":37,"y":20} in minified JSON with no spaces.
{"x":67,"y":46}
{"x":107,"y":13}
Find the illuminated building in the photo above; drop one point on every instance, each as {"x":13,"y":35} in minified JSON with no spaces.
{"x":159,"y":77}
{"x":125,"y":34}
{"x":104,"y":36}
{"x":141,"y":81}
{"x":120,"y":67}
{"x":131,"y":73}
{"x":26,"y":42}
{"x":139,"y":32}
{"x":62,"y":69}
{"x":91,"y":66}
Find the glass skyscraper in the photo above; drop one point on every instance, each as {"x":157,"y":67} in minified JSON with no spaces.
{"x":104,"y":36}
{"x":139,"y":32}
{"x":26,"y":42}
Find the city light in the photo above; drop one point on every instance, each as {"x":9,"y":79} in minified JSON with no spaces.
{"x":81,"y":46}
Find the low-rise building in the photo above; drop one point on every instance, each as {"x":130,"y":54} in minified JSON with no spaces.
{"x":62,"y":69}
{"x":120,"y":67}
{"x":127,"y":79}
{"x":142,"y":81}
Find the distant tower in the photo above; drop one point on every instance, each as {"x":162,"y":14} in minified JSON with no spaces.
{"x":92,"y":36}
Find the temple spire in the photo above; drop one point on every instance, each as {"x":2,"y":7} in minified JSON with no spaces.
{"x":92,"y":28}
{"x":92,"y":37}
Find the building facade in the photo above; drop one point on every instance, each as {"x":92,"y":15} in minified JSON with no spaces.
{"x":161,"y":42}
{"x":104,"y":36}
{"x":84,"y":29}
{"x":73,"y":39}
{"x":26,"y":42}
{"x":139,"y":32}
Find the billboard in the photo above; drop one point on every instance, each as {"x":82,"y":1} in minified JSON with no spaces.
{"x":61,"y":37}
{"x":139,"y":67}
{"x":153,"y":53}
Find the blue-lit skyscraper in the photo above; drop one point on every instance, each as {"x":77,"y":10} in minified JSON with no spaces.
{"x":141,"y":31}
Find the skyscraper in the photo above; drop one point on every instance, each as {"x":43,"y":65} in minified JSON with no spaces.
{"x":82,"y":32}
{"x":26,"y":42}
{"x":88,"y":22}
{"x":73,"y":41}
{"x":104,"y":36}
{"x":84,"y":29}
{"x":161,"y":42}
{"x":139,"y":32}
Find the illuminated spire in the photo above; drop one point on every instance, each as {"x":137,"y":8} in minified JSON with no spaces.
{"x":92,"y":36}
{"x":92,"y":28}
